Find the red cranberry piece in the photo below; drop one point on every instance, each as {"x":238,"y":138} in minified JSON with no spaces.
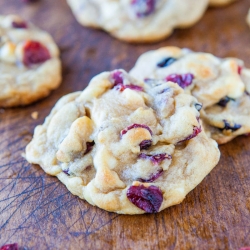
{"x":227,"y":126}
{"x":240,"y":68}
{"x":117,"y":77}
{"x":90,"y":146}
{"x":196,"y":131}
{"x":143,"y":8}
{"x":133,"y":87}
{"x":122,"y":87}
{"x":145,"y":144}
{"x":183,"y":80}
{"x":156,"y":159}
{"x":224,"y":101}
{"x":13,"y":246}
{"x":66,"y":171}
{"x":166,"y":62}
{"x":248,"y":134}
{"x":148,"y":199}
{"x":34,"y":53}
{"x":244,"y":248}
{"x":153,"y":177}
{"x":124,"y":131}
{"x":19,"y":25}
{"x":119,"y":83}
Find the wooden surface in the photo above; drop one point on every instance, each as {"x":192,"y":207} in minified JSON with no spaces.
{"x":38,"y":212}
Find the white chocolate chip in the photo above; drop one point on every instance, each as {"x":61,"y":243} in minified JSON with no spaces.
{"x":7,"y":52}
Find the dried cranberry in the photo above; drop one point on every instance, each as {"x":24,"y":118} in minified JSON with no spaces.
{"x":153,"y":177}
{"x":244,"y":248}
{"x":134,"y":87}
{"x":34,"y":53}
{"x":89,"y":146}
{"x":148,"y":199}
{"x":119,"y":83}
{"x":196,"y":131}
{"x":13,"y":246}
{"x":198,"y":106}
{"x":156,"y":159}
{"x":224,"y":101}
{"x":143,"y":8}
{"x":66,"y":171}
{"x":124,"y":131}
{"x":227,"y":126}
{"x":248,"y":134}
{"x":122,"y":87}
{"x":19,"y":25}
{"x":117,"y":77}
{"x":240,"y":68}
{"x":183,"y":80}
{"x":166,"y":62}
{"x":145,"y":144}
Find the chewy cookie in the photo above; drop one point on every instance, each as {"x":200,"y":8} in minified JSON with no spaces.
{"x":228,"y":119}
{"x":29,"y":62}
{"x":125,"y":146}
{"x":221,"y":85}
{"x":138,"y":20}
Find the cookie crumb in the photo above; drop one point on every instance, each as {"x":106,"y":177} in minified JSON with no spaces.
{"x":34,"y":115}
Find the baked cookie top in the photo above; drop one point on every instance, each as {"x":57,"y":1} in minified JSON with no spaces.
{"x":29,"y":62}
{"x":138,"y":20}
{"x":212,"y":80}
{"x":125,"y":146}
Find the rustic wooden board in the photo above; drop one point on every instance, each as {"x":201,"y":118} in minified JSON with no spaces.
{"x":38,"y":212}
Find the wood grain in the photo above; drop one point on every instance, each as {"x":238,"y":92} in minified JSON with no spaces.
{"x":38,"y":212}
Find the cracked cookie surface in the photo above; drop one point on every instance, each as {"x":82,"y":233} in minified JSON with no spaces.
{"x":138,"y":20}
{"x":29,"y":62}
{"x":125,"y":146}
{"x":221,"y":85}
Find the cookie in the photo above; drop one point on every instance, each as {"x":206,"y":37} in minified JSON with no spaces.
{"x":229,"y":117}
{"x":125,"y":146}
{"x":225,"y":122}
{"x":220,"y":2}
{"x":29,"y":62}
{"x":215,"y":82}
{"x":138,"y":20}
